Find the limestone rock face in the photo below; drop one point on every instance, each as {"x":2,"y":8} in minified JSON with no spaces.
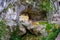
{"x":9,"y":17}
{"x":34,"y":29}
{"x":4,"y":4}
{"x":38,"y":30}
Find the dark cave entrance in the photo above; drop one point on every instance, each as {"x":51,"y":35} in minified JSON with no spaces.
{"x":35,"y":16}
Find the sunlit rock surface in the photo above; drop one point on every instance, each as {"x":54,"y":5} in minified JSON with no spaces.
{"x":23,"y":18}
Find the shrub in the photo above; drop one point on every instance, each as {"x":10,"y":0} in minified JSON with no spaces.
{"x":15,"y":34}
{"x":3,"y":29}
{"x":52,"y":36}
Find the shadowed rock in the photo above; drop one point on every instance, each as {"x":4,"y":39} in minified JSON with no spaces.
{"x":58,"y":37}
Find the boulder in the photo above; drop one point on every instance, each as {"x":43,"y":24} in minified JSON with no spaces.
{"x":37,"y":29}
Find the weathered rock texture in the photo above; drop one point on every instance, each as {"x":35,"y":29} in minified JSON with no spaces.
{"x":58,"y":37}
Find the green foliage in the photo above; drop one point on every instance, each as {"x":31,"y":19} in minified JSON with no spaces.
{"x":43,"y":22}
{"x":15,"y":34}
{"x":49,"y":26}
{"x":43,"y":38}
{"x":45,"y":5}
{"x":52,"y":36}
{"x":54,"y":29}
{"x":3,"y":29}
{"x":42,"y":4}
{"x":15,"y":37}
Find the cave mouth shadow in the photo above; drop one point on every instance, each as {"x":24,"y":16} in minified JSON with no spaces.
{"x":35,"y":16}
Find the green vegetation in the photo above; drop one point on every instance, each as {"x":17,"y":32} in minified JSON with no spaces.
{"x":15,"y":34}
{"x":52,"y":31}
{"x":29,"y":36}
{"x":52,"y":36}
{"x":3,"y":29}
{"x":15,"y":37}
{"x":43,"y":22}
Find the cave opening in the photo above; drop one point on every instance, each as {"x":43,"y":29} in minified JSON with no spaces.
{"x":35,"y":16}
